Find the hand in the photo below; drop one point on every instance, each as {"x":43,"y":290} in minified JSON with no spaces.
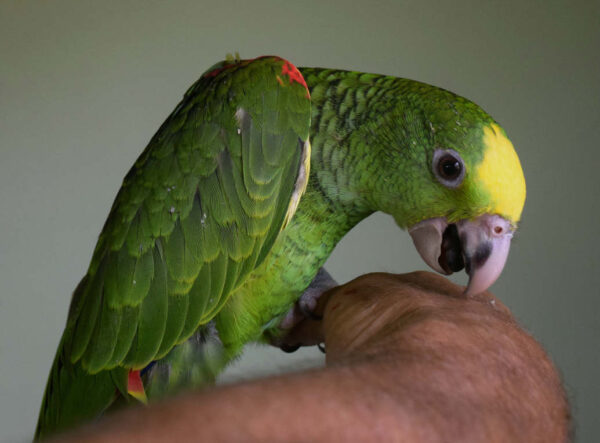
{"x":409,"y":358}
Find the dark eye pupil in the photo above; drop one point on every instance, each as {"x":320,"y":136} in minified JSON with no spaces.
{"x":449,"y":167}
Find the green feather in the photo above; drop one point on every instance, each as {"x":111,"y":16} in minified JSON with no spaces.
{"x":86,"y":320}
{"x":199,"y":297}
{"x":176,"y":315}
{"x":152,"y":318}
{"x":127,"y":330}
{"x":103,"y":340}
{"x":218,"y":273}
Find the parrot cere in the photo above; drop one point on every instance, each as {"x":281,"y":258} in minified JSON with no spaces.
{"x":230,"y":212}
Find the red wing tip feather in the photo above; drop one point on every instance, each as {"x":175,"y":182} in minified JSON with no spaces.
{"x":135,"y":386}
{"x":287,"y":69}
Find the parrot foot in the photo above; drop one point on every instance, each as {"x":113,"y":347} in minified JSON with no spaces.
{"x":302,"y":314}
{"x":307,"y":303}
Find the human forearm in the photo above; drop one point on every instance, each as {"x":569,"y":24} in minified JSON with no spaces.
{"x":409,"y":359}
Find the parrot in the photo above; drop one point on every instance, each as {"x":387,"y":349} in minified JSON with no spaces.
{"x":222,"y":226}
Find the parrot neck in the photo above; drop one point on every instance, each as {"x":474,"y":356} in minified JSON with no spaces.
{"x":332,"y":198}
{"x":342,"y":171}
{"x":342,"y":168}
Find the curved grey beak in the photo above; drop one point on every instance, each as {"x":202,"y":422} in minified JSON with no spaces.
{"x":480,"y":245}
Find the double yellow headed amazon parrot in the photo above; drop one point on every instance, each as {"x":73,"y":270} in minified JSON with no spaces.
{"x":230,"y":212}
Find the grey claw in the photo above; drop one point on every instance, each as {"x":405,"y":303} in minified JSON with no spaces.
{"x":307,"y":303}
{"x":289,"y":348}
{"x":308,"y":311}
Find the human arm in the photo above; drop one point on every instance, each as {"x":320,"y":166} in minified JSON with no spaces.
{"x":409,"y":358}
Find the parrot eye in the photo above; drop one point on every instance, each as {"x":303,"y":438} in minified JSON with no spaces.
{"x":448,"y":167}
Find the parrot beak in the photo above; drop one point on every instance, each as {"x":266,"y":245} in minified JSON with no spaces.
{"x":480,"y":245}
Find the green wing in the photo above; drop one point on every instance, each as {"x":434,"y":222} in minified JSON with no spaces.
{"x":196,"y":214}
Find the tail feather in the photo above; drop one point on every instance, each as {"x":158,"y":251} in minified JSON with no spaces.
{"x":72,"y":396}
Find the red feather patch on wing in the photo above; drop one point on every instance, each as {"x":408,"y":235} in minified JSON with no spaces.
{"x":287,"y":69}
{"x":294,"y":75}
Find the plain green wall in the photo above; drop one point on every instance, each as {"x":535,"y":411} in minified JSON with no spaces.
{"x":84,"y":85}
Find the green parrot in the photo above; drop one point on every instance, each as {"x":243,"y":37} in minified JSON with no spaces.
{"x":229,"y":214}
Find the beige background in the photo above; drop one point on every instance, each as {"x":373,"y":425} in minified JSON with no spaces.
{"x":84,"y":85}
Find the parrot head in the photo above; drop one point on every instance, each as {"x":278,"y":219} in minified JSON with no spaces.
{"x":463,"y":186}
